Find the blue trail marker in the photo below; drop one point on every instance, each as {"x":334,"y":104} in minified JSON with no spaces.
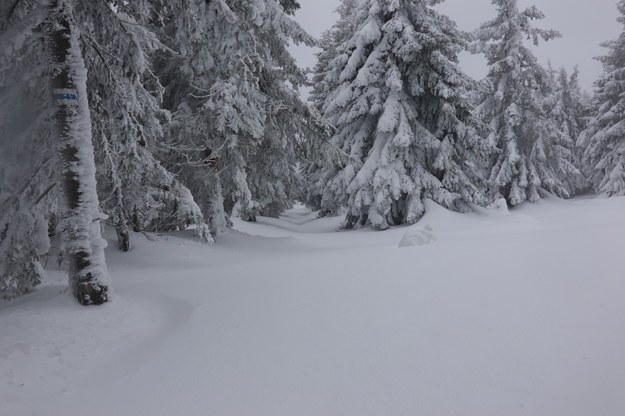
{"x":65,"y":96}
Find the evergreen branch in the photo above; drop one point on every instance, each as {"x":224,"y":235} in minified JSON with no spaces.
{"x":44,"y":194}
{"x":14,"y":37}
{"x":100,"y":51}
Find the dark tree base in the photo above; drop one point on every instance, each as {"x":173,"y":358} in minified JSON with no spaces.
{"x":249,"y":218}
{"x":123,"y":237}
{"x":90,"y":293}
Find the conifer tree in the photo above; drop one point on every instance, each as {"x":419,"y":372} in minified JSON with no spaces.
{"x":569,"y":110}
{"x":50,"y":133}
{"x":103,"y":53}
{"x":27,"y":188}
{"x":534,"y":158}
{"x":80,"y":225}
{"x":405,"y":130}
{"x":604,"y":139}
{"x":325,"y":80}
{"x":137,"y":189}
{"x":233,"y":96}
{"x":28,"y":198}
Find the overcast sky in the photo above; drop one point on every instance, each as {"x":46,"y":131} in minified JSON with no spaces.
{"x":584,"y":24}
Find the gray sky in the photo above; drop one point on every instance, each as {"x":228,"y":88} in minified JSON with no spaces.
{"x":584,"y":24}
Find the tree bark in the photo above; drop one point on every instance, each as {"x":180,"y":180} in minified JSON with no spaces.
{"x":88,"y":276}
{"x":123,"y":234}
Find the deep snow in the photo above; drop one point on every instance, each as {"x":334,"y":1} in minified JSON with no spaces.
{"x":497,"y":313}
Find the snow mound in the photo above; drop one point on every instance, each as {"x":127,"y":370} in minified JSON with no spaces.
{"x":500,"y":206}
{"x":418,"y":236}
{"x":497,"y":208}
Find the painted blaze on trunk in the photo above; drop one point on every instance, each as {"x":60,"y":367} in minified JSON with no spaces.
{"x":88,"y":277}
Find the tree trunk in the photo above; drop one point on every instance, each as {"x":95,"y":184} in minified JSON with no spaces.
{"x":123,"y":235}
{"x":84,"y":245}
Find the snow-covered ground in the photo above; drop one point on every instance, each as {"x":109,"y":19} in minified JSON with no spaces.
{"x":519,"y":313}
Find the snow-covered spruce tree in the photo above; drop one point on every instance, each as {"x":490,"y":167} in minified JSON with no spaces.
{"x":28,"y":191}
{"x":27,"y":156}
{"x":569,"y":110}
{"x":123,"y":121}
{"x":23,"y":223}
{"x":232,"y":93}
{"x":325,"y":80}
{"x":604,"y":139}
{"x":210,"y":93}
{"x":404,"y":127}
{"x":80,"y":225}
{"x":124,"y":108}
{"x":290,"y":125}
{"x":39,"y":47}
{"x":136,"y":188}
{"x":534,"y":157}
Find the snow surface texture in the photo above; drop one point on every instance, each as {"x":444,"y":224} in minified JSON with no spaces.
{"x":517,"y":313}
{"x":418,"y":236}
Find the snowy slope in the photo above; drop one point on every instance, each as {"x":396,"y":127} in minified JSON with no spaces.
{"x":501,"y":313}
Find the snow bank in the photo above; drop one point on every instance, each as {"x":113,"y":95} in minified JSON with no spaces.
{"x":418,"y":236}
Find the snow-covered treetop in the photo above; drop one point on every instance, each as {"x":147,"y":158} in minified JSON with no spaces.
{"x":501,"y":39}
